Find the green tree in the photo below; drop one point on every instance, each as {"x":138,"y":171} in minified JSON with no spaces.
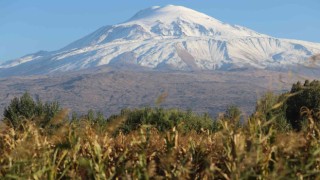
{"x":19,"y":108}
{"x":308,"y":96}
{"x":25,"y":108}
{"x":272,"y":107}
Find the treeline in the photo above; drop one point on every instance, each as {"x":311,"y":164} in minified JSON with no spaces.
{"x":290,"y":110}
{"x":280,"y":140}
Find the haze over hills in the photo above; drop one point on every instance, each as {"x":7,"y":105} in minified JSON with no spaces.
{"x":168,"y":38}
{"x":109,"y":90}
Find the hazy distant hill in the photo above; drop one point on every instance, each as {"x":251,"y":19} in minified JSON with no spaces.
{"x":109,"y":90}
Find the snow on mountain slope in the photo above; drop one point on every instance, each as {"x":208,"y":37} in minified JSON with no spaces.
{"x":170,"y":37}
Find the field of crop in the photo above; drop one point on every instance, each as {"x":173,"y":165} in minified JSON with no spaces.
{"x":153,"y":143}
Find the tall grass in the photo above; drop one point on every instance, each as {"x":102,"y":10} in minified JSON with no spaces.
{"x":154,"y":143}
{"x":81,"y":149}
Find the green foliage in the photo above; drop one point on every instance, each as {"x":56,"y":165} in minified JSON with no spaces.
{"x":25,"y":108}
{"x":164,"y":120}
{"x":271,"y":108}
{"x":303,"y":96}
{"x":19,"y":108}
{"x":95,"y":117}
{"x":285,"y":110}
{"x":48,"y":112}
{"x":233,"y":113}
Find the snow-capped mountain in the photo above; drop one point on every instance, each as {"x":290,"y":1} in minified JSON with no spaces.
{"x":170,"y":37}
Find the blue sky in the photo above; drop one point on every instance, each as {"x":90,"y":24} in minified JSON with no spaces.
{"x":27,"y":26}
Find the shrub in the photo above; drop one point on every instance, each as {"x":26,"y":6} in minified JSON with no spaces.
{"x":96,"y":119}
{"x":303,"y":96}
{"x":233,"y":113}
{"x":164,"y":120}
{"x":26,"y":108}
{"x":20,"y":107}
{"x":272,"y":107}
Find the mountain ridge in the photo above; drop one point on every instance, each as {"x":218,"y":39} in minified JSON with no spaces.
{"x":173,"y":37}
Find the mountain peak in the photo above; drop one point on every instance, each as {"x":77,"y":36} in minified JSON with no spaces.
{"x":168,"y":13}
{"x":168,"y":37}
{"x":172,"y":20}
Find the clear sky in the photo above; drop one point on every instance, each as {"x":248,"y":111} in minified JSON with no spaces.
{"x":27,"y":26}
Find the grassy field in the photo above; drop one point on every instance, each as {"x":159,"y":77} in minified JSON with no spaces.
{"x":153,"y":143}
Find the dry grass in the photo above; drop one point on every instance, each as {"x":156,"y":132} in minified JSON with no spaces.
{"x":80,"y":151}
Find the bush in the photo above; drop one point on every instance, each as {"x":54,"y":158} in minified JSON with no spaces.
{"x":164,"y":120}
{"x":233,"y":113}
{"x":26,"y":108}
{"x":20,"y":107}
{"x":272,"y":107}
{"x":303,"y":96}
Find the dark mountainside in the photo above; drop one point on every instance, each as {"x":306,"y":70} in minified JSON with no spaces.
{"x":109,"y":90}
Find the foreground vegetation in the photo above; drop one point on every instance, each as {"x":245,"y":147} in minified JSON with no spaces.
{"x":279,"y":141}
